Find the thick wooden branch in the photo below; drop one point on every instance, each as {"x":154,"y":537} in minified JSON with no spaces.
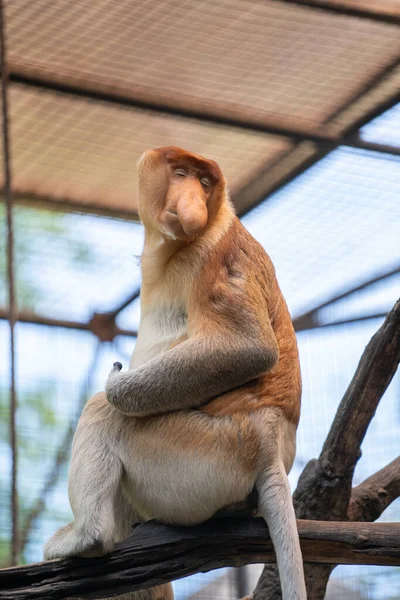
{"x":373,"y":496}
{"x":157,"y":553}
{"x":325,"y":486}
{"x":375,"y":371}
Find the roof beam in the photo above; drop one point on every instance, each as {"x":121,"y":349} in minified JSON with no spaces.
{"x":54,"y":83}
{"x":251,"y":195}
{"x":309,"y":319}
{"x":385,"y":104}
{"x":377,"y":13}
{"x":78,"y":89}
{"x":312,"y":323}
{"x":355,"y":141}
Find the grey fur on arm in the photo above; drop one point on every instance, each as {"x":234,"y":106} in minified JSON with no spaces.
{"x":188,"y":375}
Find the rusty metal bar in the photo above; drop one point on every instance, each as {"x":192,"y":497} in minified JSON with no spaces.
{"x":26,"y":317}
{"x":12,"y":310}
{"x":131,"y":298}
{"x":301,"y":323}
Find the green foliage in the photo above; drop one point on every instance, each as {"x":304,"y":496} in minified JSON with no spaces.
{"x":38,"y":424}
{"x":42,"y":239}
{"x":35,"y":231}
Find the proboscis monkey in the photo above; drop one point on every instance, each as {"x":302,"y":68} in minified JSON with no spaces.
{"x":209,"y":407}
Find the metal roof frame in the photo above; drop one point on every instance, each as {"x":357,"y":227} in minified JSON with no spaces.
{"x":320,"y":143}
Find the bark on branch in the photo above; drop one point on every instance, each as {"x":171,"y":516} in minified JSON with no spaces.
{"x":373,"y":496}
{"x":324,"y":488}
{"x":157,"y":553}
{"x":375,"y":371}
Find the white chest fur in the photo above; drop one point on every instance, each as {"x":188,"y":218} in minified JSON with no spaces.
{"x":157,"y":331}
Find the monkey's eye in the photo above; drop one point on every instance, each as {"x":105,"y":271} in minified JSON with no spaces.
{"x":205,"y":182}
{"x":180,"y":172}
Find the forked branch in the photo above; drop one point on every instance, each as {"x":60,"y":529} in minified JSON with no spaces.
{"x":324,"y":490}
{"x":375,"y":371}
{"x":373,"y":496}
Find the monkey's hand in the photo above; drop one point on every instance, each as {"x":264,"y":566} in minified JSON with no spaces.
{"x":116,"y":390}
{"x":112,"y":383}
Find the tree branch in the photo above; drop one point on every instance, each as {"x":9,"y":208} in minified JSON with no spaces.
{"x":325,"y":485}
{"x":373,"y":496}
{"x":324,"y":488}
{"x":375,"y":371}
{"x":156,"y":553}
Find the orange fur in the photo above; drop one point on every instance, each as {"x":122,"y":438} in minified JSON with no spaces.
{"x":240,"y":280}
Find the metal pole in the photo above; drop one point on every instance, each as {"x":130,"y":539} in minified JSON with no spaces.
{"x":12,"y":313}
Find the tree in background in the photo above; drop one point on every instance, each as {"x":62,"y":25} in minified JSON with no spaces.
{"x":36,"y":412}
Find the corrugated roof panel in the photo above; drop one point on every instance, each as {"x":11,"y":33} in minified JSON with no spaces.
{"x":265,"y":60}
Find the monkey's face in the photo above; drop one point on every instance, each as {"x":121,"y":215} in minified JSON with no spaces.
{"x":179,"y":192}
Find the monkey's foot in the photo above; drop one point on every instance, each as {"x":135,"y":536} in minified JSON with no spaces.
{"x":66,"y":543}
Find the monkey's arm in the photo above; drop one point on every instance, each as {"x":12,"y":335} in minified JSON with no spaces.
{"x":188,"y":375}
{"x":222,"y":357}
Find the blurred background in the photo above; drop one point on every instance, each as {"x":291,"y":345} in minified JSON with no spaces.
{"x":299,"y":102}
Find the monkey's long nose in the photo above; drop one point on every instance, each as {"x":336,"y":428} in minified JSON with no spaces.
{"x":192,"y":214}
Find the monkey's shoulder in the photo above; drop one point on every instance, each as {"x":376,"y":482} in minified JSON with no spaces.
{"x":236,"y":272}
{"x":239,"y":255}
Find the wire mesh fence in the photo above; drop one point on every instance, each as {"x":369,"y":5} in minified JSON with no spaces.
{"x":332,"y":228}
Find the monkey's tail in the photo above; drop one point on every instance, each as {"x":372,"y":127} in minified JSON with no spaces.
{"x":276,"y":506}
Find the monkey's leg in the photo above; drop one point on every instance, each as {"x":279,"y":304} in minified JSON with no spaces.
{"x":94,"y":478}
{"x":276,"y":506}
{"x":125,"y":516}
{"x":102,"y":514}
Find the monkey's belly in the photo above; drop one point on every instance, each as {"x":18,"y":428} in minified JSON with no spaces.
{"x":182,"y":471}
